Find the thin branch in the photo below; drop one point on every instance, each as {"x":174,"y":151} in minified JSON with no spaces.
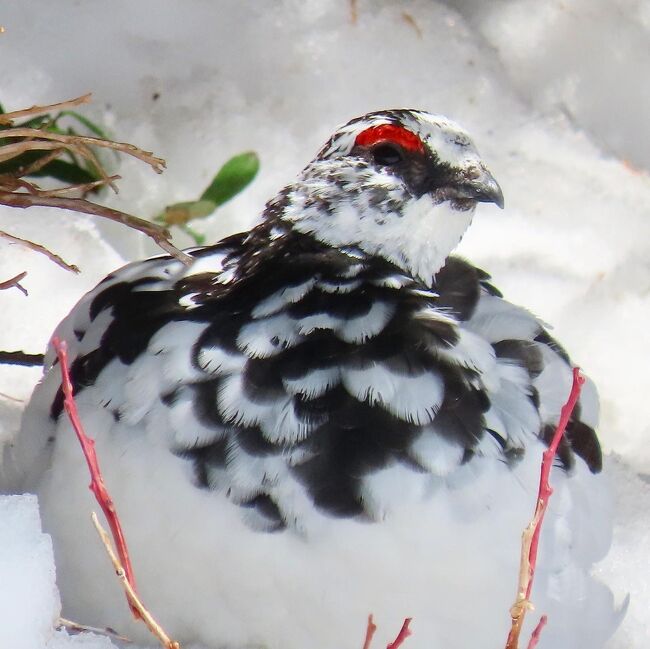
{"x":97,"y":485}
{"x":9,"y":183}
{"x":35,"y":139}
{"x":404,"y":633}
{"x":8,"y":397}
{"x":37,"y":247}
{"x":354,"y":12}
{"x":21,"y":358}
{"x":7,"y":118}
{"x":537,"y":632}
{"x":371,"y":627}
{"x":159,"y":234}
{"x":14,"y":282}
{"x":76,"y":142}
{"x":81,"y":188}
{"x":131,"y":595}
{"x":530,"y":536}
{"x":9,"y":151}
{"x":41,"y":162}
{"x":75,"y":627}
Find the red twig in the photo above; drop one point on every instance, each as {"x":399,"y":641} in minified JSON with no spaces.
{"x":530,"y":538}
{"x":97,"y":482}
{"x":404,"y":633}
{"x":545,"y":490}
{"x":537,"y":632}
{"x":370,"y":632}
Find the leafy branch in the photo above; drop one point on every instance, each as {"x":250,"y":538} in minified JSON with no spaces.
{"x":35,"y":147}
{"x":235,"y":175}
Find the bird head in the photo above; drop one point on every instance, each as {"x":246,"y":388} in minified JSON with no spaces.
{"x":401,"y":184}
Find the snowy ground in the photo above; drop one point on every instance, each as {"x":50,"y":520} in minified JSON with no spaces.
{"x":555,"y":94}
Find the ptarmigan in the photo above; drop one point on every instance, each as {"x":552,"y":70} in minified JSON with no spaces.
{"x":324,"y":417}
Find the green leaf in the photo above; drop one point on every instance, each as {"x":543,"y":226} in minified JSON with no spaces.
{"x":232,"y":178}
{"x":68,"y":173}
{"x":90,"y":125}
{"x":181,"y":213}
{"x":199,"y":239}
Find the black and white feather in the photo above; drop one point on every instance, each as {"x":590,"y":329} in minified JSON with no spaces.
{"x":327,"y":416}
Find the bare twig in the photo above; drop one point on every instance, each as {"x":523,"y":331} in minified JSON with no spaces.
{"x":97,"y":485}
{"x":17,"y":192}
{"x":7,"y":118}
{"x":411,"y":22}
{"x":537,"y":632}
{"x":75,"y":627}
{"x":14,"y":282}
{"x":21,"y":358}
{"x":51,"y":140}
{"x":81,"y":188}
{"x":371,"y":627}
{"x":530,"y":536}
{"x":37,"y":247}
{"x":121,"y":563}
{"x":404,"y":633}
{"x":41,"y":162}
{"x":354,"y":12}
{"x":159,"y":234}
{"x":4,"y":395}
{"x":131,"y":595}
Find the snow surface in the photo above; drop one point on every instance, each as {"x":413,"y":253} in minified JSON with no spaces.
{"x":557,"y":99}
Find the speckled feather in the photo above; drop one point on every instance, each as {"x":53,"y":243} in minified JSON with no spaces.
{"x":338,"y":364}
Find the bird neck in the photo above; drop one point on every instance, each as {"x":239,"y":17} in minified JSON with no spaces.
{"x":414,"y":233}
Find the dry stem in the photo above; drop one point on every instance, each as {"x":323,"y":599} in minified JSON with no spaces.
{"x":122,"y":564}
{"x":14,"y":281}
{"x":32,"y":139}
{"x":404,"y":633}
{"x":36,"y":247}
{"x":537,"y":632}
{"x":131,"y":595}
{"x":371,"y":627}
{"x":7,"y":118}
{"x":21,"y":358}
{"x":97,"y":485}
{"x":530,"y":536}
{"x":159,"y":234}
{"x":77,"y":143}
{"x":75,"y":627}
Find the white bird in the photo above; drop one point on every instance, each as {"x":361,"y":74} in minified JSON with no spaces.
{"x":323,"y":417}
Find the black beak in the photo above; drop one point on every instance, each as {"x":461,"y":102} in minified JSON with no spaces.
{"x":483,"y":188}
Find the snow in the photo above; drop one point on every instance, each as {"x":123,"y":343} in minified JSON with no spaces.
{"x":555,"y":95}
{"x":29,"y":608}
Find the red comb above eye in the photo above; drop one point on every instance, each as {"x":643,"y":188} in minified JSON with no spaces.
{"x":390,"y":133}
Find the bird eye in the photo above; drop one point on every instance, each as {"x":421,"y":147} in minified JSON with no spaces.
{"x":387,"y":154}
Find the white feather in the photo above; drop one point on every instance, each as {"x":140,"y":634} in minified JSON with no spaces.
{"x":282,"y":425}
{"x":312,"y":323}
{"x":412,"y":398}
{"x":360,"y":329}
{"x":314,"y":383}
{"x":268,"y":336}
{"x":216,"y":360}
{"x":236,"y":407}
{"x":495,"y":319}
{"x":281,"y":298}
{"x":435,"y":453}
